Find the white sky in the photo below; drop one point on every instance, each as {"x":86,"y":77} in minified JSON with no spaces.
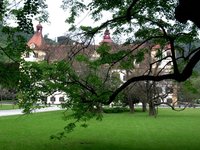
{"x":56,"y":26}
{"x":57,"y":16}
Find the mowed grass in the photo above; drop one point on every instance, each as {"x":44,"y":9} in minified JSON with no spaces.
{"x":8,"y":107}
{"x":169,"y":131}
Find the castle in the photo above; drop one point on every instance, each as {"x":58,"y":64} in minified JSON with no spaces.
{"x":44,"y":51}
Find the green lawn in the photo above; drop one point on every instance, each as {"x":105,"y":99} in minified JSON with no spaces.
{"x":8,"y":107}
{"x":169,"y":131}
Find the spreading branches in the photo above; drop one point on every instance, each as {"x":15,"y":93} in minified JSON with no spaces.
{"x":129,"y":10}
{"x":139,"y":78}
{"x":150,"y":31}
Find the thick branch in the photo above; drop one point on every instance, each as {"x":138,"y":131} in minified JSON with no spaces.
{"x":172,"y":106}
{"x":139,"y":78}
{"x":128,"y":13}
{"x":187,"y":72}
{"x":175,"y":65}
{"x":180,"y":77}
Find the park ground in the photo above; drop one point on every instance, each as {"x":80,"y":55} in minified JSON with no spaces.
{"x":117,"y":131}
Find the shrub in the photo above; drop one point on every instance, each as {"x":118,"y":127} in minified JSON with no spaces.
{"x":115,"y":110}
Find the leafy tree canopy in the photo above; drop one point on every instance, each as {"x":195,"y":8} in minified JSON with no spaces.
{"x":145,"y":21}
{"x":148,"y":25}
{"x":15,"y":24}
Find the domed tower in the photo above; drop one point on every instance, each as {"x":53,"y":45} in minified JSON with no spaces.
{"x":39,"y":28}
{"x":106,"y":37}
{"x":38,"y":45}
{"x":37,"y":40}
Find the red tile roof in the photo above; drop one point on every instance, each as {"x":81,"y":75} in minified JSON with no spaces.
{"x":106,"y":37}
{"x":37,"y":38}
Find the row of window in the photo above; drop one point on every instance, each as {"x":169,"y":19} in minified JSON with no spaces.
{"x":169,"y":100}
{"x":27,"y":55}
{"x":53,"y":99}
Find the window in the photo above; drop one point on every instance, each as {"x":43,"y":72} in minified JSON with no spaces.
{"x":61,"y":99}
{"x":124,"y":77}
{"x":169,"y":100}
{"x":53,"y":99}
{"x":168,"y":53}
{"x":27,"y":55}
{"x":36,"y":55}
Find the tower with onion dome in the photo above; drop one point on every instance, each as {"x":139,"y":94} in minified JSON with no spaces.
{"x":37,"y":45}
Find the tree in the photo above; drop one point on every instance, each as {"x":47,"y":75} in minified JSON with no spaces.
{"x":147,"y":24}
{"x":187,"y":11}
{"x":149,"y":21}
{"x":148,"y":17}
{"x":188,"y":91}
{"x":14,"y":37}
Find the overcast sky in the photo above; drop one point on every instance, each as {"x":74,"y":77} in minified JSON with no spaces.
{"x":57,"y":16}
{"x":56,"y":26}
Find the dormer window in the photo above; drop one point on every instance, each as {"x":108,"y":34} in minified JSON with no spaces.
{"x":61,"y":99}
{"x":36,"y":55}
{"x":52,"y":99}
{"x":27,"y":55}
{"x":124,"y":78}
{"x":168,"y":53}
{"x":32,"y":46}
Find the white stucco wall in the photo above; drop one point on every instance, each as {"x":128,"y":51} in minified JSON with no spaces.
{"x":57,"y":96}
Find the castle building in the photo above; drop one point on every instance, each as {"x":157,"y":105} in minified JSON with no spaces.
{"x":43,"y":51}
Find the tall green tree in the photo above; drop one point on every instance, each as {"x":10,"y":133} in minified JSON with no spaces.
{"x":188,"y":91}
{"x":148,"y":25}
{"x":151,"y":22}
{"x":14,"y":35}
{"x":145,"y":21}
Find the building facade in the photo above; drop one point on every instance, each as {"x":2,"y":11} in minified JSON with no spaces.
{"x":40,"y":50}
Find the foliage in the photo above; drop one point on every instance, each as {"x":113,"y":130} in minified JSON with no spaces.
{"x":150,"y":27}
{"x":14,"y":37}
{"x":189,"y":90}
{"x":23,"y":12}
{"x":44,"y":79}
{"x":90,"y":82}
{"x":149,"y":22}
{"x":9,"y":77}
{"x":116,"y":110}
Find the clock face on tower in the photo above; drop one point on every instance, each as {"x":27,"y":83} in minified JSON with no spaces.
{"x":32,"y":46}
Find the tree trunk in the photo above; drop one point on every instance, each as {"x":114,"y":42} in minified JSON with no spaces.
{"x":152,"y":109}
{"x":131,"y":106}
{"x":99,"y":108}
{"x":144,"y":106}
